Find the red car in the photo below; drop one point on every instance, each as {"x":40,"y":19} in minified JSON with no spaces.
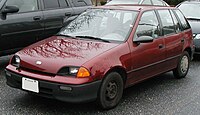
{"x":103,"y":51}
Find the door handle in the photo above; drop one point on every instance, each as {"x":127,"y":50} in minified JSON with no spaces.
{"x":161,"y":46}
{"x":68,"y":14}
{"x":36,"y":18}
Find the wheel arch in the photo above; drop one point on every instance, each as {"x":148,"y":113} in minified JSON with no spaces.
{"x":189,"y":50}
{"x":120,"y":70}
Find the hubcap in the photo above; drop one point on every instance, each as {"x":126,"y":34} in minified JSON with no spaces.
{"x":111,"y":90}
{"x":184,"y":64}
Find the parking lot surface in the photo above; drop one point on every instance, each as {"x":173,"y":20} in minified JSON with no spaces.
{"x":160,"y":95}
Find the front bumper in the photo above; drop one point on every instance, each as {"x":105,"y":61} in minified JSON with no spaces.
{"x":78,"y":93}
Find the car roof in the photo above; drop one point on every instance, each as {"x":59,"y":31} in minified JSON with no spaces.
{"x":136,"y":2}
{"x":191,"y":1}
{"x":133,"y":7}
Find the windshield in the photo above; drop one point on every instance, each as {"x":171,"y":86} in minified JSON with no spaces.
{"x":190,"y":10}
{"x":123,"y":2}
{"x":103,"y":24}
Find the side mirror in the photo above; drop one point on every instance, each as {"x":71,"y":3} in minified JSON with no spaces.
{"x":143,"y":39}
{"x":10,"y":9}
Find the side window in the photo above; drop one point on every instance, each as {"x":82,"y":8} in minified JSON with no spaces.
{"x":157,"y":2}
{"x":147,"y":2}
{"x":167,"y":22}
{"x":23,"y":5}
{"x":63,"y":3}
{"x":79,"y":3}
{"x":48,"y":4}
{"x":184,"y":23}
{"x":176,"y":23}
{"x":148,"y":25}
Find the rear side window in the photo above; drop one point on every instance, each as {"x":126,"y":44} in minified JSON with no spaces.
{"x":63,"y":3}
{"x":48,"y":4}
{"x":148,"y":25}
{"x":51,"y":4}
{"x":168,"y":26}
{"x":176,"y":22}
{"x":184,"y":23}
{"x":79,"y":3}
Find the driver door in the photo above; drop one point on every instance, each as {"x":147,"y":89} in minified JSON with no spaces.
{"x":147,"y":57}
{"x":20,"y":29}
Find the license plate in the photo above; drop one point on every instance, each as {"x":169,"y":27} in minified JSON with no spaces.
{"x":30,"y":85}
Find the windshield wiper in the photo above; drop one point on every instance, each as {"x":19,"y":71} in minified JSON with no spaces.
{"x":191,"y":18}
{"x":94,"y":38}
{"x":66,"y":35}
{"x":147,"y":24}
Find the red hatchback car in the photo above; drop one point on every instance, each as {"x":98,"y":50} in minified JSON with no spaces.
{"x":103,"y":51}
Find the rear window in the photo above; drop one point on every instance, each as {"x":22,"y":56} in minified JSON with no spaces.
{"x":184,"y":23}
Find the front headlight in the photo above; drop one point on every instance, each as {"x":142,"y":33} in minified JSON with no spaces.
{"x":79,"y":72}
{"x":73,"y":70}
{"x":196,"y":36}
{"x":16,"y":61}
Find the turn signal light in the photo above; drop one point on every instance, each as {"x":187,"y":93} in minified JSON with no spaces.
{"x":83,"y":72}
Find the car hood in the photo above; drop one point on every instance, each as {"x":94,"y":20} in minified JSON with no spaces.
{"x":57,"y":52}
{"x":195,"y":25}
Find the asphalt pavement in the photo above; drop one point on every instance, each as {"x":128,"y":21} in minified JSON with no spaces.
{"x":161,"y":95}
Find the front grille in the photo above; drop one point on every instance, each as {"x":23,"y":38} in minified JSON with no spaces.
{"x":46,"y":89}
{"x":38,"y":72}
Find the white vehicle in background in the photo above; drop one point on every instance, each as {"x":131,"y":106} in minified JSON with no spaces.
{"x":143,"y":2}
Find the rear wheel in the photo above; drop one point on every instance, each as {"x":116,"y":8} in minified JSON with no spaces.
{"x":110,"y":91}
{"x":183,"y":66}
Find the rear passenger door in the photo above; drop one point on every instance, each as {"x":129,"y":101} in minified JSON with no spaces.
{"x":55,"y":12}
{"x":185,"y":27}
{"x":173,"y":37}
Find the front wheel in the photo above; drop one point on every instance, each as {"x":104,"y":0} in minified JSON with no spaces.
{"x":183,"y":66}
{"x":110,"y":91}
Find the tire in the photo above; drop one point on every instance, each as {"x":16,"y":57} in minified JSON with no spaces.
{"x":183,"y":66}
{"x":111,"y":91}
